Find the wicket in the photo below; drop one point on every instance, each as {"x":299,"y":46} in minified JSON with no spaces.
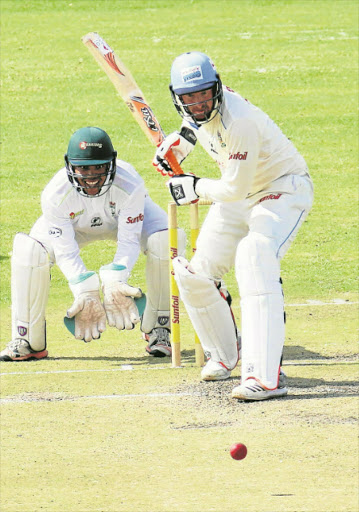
{"x":174,"y":294}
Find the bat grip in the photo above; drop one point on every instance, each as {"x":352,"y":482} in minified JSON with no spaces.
{"x":172,"y":160}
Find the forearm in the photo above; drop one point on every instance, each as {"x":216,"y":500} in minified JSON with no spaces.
{"x":219,"y":190}
{"x":233,"y":186}
{"x":70,"y":265}
{"x":127,"y":254}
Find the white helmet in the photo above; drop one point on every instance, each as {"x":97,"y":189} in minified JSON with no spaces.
{"x":193,"y":72}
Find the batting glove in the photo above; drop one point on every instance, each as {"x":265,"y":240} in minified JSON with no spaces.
{"x":183,"y":189}
{"x":119,"y":304}
{"x":181,"y":144}
{"x":90,"y":317}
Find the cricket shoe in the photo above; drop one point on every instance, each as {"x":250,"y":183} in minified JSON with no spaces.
{"x":159,"y":344}
{"x":214,"y":371}
{"x":252,"y":390}
{"x":20,"y":350}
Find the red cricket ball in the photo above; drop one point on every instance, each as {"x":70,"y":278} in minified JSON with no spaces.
{"x":238,"y":451}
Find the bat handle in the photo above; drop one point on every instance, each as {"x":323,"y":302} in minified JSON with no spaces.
{"x":172,"y":160}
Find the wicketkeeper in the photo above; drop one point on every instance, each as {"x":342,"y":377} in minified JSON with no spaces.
{"x":262,"y":198}
{"x":94,"y":197}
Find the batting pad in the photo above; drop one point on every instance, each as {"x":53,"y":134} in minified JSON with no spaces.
{"x":209,"y":313}
{"x":157,"y":312}
{"x":262,"y":306}
{"x":140,"y":303}
{"x":30,"y":283}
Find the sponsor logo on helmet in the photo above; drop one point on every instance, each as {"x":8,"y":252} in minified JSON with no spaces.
{"x":133,"y":220}
{"x":192,"y":73}
{"x":96,"y":221}
{"x":22,"y":330}
{"x":55,"y":232}
{"x":163,"y":320}
{"x":72,"y":215}
{"x":270,"y":196}
{"x":238,"y":156}
{"x":84,"y":144}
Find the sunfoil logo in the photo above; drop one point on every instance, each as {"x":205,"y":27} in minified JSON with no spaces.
{"x":239,"y":156}
{"x":132,"y":220}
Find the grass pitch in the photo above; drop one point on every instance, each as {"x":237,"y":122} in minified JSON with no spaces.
{"x":101,"y":427}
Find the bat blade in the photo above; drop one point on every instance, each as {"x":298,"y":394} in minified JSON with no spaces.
{"x":129,"y":91}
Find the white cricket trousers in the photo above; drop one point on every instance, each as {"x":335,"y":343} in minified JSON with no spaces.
{"x":253,"y":235}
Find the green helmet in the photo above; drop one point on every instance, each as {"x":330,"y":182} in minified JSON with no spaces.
{"x":90,"y":146}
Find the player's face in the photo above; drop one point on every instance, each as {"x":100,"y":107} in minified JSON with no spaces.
{"x":92,"y":178}
{"x":199,"y":103}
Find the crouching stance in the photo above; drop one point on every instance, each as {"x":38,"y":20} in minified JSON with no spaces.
{"x":262,"y":198}
{"x":94,"y":197}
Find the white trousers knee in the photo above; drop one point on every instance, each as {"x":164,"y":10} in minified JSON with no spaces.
{"x":253,"y":235}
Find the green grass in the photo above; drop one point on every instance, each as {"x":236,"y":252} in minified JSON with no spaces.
{"x":298,"y":61}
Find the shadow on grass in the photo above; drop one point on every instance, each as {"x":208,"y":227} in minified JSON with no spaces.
{"x":293,"y":353}
{"x":304,"y":388}
{"x":187,"y":357}
{"x":297,"y":352}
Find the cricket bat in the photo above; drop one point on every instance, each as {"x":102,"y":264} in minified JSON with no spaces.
{"x":129,"y":91}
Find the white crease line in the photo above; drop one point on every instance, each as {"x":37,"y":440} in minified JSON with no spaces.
{"x":124,"y":368}
{"x":91,"y":397}
{"x":129,"y":367}
{"x":336,"y":302}
{"x":320,"y":362}
{"x":170,"y":367}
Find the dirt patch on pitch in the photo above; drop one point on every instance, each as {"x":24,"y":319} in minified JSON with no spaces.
{"x":305,"y":403}
{"x":36,"y":397}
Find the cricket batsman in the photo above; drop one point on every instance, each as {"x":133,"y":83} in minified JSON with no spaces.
{"x":260,"y":201}
{"x":93,"y":197}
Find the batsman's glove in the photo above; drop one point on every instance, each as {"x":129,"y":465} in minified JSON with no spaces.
{"x":181,"y":145}
{"x":183,"y":189}
{"x":90,"y":317}
{"x":119,"y":304}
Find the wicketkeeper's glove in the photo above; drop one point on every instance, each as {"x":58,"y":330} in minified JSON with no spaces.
{"x":90,"y":317}
{"x":119,"y":304}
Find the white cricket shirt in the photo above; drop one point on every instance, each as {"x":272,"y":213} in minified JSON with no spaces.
{"x":248,"y":146}
{"x":73,"y":219}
